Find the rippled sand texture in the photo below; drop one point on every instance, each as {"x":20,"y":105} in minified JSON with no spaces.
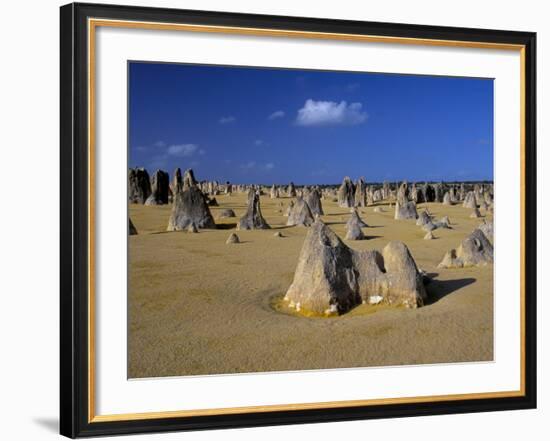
{"x":198,"y":306}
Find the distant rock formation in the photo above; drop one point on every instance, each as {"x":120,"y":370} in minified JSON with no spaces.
{"x":475,"y":250}
{"x":160,"y":184}
{"x":190,"y":206}
{"x":139,"y":185}
{"x":470,"y":200}
{"x":131,"y":228}
{"x":300,"y":214}
{"x":291,"y":192}
{"x":447,"y":199}
{"x":313,"y":199}
{"x":346,"y":197}
{"x":405,"y":211}
{"x":253,"y":219}
{"x":274,"y":192}
{"x":332,"y":278}
{"x":360,"y":193}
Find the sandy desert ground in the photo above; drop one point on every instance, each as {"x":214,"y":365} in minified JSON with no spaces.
{"x":198,"y":306}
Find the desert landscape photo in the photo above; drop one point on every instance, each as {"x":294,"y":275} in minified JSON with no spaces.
{"x":285,"y":219}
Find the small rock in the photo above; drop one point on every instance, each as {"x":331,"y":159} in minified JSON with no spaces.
{"x":233,"y":238}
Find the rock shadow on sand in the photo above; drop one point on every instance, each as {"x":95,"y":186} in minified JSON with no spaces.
{"x":438,"y":289}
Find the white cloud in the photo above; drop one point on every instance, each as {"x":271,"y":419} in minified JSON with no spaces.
{"x":227,"y":119}
{"x":325,"y":113}
{"x":249,"y":165}
{"x":182,"y":149}
{"x":275,"y":115}
{"x":258,"y":142}
{"x":269,"y":166}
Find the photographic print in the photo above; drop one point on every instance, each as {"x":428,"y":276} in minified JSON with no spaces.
{"x":289,"y":220}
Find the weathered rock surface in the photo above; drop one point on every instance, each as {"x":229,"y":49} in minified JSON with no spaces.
{"x":405,"y":211}
{"x":470,"y":200}
{"x":356,"y":219}
{"x":291,"y":192}
{"x":189,"y":207}
{"x":253,"y":219}
{"x":330,"y":277}
{"x":346,"y":197}
{"x":313,"y":199}
{"x":139,"y":185}
{"x":475,"y":250}
{"x":354,"y":232}
{"x":300,"y":214}
{"x":233,"y":238}
{"x":131,"y":228}
{"x":487,"y":229}
{"x":160,"y":185}
{"x":360,"y":193}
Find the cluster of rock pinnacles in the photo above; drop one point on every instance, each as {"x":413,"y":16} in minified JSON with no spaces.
{"x":330,"y":277}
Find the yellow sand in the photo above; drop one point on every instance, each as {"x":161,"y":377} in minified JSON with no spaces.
{"x":198,"y":306}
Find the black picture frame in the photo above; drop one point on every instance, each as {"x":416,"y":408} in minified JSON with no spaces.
{"x":74,"y":325}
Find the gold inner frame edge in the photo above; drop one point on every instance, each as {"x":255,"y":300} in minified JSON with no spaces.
{"x":92,"y":25}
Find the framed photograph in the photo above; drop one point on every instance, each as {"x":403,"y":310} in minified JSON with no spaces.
{"x":274,"y":220}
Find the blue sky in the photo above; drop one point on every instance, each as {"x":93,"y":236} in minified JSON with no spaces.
{"x":259,"y":125}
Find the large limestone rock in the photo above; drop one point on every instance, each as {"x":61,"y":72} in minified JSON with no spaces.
{"x":253,"y":219}
{"x":403,"y":194}
{"x":487,"y":228}
{"x":300,"y":214}
{"x":470,"y":200}
{"x":354,"y":225}
{"x":160,"y":184}
{"x":189,"y":179}
{"x":356,"y":219}
{"x":332,"y":278}
{"x":447,"y":199}
{"x":475,"y":250}
{"x":423,"y":218}
{"x":313,"y":199}
{"x":274,"y":192}
{"x":346,"y":197}
{"x":190,"y":206}
{"x":291,"y":192}
{"x":406,"y":210}
{"x":360,"y":193}
{"x":177,"y":182}
{"x":139,"y":185}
